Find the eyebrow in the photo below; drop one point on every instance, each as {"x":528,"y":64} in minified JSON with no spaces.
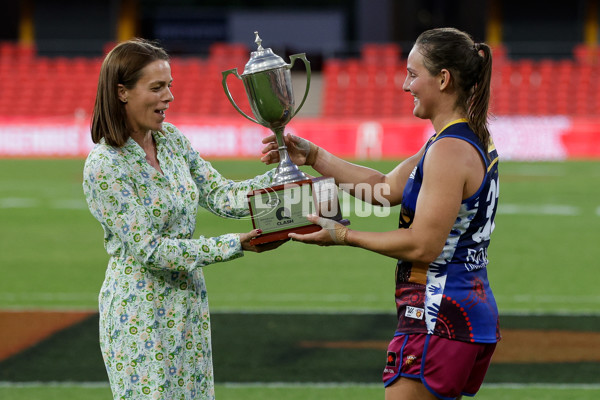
{"x":160,"y":82}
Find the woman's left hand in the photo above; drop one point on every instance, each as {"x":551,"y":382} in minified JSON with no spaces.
{"x":333,"y":233}
{"x":245,"y":239}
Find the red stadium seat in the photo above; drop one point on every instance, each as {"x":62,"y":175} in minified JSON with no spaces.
{"x":370,"y":86}
{"x":381,"y":53}
{"x":587,"y":54}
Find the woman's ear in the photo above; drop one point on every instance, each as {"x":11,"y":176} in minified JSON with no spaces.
{"x":444,"y":79}
{"x":122,"y":91}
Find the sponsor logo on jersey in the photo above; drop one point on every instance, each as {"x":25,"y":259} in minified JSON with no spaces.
{"x":477,"y":259}
{"x":392,"y":357}
{"x":414,"y":312}
{"x":410,"y":359}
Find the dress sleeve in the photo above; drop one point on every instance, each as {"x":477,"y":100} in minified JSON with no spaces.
{"x":131,"y":230}
{"x":221,"y":196}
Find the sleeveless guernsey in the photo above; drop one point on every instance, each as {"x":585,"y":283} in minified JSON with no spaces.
{"x":451,"y":297}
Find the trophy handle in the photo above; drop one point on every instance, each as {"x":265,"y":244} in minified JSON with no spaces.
{"x":234,"y":72}
{"x":293,"y":58}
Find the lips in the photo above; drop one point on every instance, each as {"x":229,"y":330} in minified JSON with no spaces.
{"x":161,"y":112}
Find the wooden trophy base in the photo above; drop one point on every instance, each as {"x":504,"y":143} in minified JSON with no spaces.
{"x":282,"y":209}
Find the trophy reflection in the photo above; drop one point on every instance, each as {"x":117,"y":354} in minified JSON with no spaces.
{"x":282,"y":208}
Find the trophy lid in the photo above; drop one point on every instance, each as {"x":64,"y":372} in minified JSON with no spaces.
{"x":262,"y":59}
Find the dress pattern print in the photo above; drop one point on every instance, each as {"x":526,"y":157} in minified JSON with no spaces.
{"x":154,"y":318}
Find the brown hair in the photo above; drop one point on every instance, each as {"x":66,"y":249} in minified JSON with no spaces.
{"x":122,"y":65}
{"x":470,"y":64}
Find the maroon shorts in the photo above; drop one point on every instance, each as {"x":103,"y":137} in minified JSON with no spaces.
{"x":447,"y":368}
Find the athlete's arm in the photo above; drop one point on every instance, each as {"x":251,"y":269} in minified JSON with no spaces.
{"x":346,"y":173}
{"x":452,"y":171}
{"x":452,"y":168}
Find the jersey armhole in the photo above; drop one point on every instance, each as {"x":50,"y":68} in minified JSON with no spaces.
{"x":482,"y":156}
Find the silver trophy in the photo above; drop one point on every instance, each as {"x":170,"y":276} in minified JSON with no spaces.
{"x":281,"y":208}
{"x":268,"y":83}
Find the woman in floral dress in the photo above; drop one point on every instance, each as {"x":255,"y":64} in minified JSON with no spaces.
{"x":143,"y":182}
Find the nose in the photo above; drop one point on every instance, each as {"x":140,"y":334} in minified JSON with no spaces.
{"x":406,"y":85}
{"x":170,"y":96}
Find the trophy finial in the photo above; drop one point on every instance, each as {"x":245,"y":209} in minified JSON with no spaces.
{"x":258,"y":41}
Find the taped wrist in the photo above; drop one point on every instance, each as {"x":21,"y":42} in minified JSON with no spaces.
{"x":311,"y":157}
{"x":336,"y":230}
{"x":340,"y":234}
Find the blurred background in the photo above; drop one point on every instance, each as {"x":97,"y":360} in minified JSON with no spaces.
{"x":313,"y":329}
{"x":50,"y":55}
{"x":322,"y":28}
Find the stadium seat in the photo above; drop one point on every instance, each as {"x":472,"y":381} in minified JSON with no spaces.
{"x":381,"y":53}
{"x":587,"y":54}
{"x":369,"y":86}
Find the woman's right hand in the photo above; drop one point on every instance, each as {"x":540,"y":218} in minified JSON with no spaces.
{"x":301,"y":151}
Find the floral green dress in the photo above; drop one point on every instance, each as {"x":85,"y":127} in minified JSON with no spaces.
{"x":154,"y":319}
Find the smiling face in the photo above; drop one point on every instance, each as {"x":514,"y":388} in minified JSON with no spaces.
{"x":147,"y":101}
{"x":424,"y":87}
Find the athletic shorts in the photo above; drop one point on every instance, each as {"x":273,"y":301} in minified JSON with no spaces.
{"x":447,"y":368}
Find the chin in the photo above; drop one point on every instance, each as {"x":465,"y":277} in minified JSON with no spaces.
{"x":417,"y":114}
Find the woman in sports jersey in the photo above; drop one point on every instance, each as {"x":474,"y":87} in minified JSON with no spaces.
{"x":447,"y":316}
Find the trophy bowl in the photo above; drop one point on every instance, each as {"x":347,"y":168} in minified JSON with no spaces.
{"x":281,"y":208}
{"x":268,"y":83}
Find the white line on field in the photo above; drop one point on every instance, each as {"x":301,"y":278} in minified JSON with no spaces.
{"x":18,"y":202}
{"x":27,"y":202}
{"x":61,"y":384}
{"x":49,"y":308}
{"x":57,"y":296}
{"x":538,"y":209}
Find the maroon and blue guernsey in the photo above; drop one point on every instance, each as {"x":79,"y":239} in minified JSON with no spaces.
{"x":451,"y":297}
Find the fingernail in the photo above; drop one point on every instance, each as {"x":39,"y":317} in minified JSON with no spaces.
{"x":259,"y":231}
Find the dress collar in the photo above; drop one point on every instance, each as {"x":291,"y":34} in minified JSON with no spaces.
{"x":133,"y":146}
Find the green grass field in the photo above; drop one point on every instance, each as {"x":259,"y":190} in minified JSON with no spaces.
{"x":346,"y":392}
{"x":543,"y":252}
{"x":543,"y":259}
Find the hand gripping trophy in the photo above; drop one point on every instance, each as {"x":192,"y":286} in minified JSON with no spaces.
{"x":282,"y":208}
